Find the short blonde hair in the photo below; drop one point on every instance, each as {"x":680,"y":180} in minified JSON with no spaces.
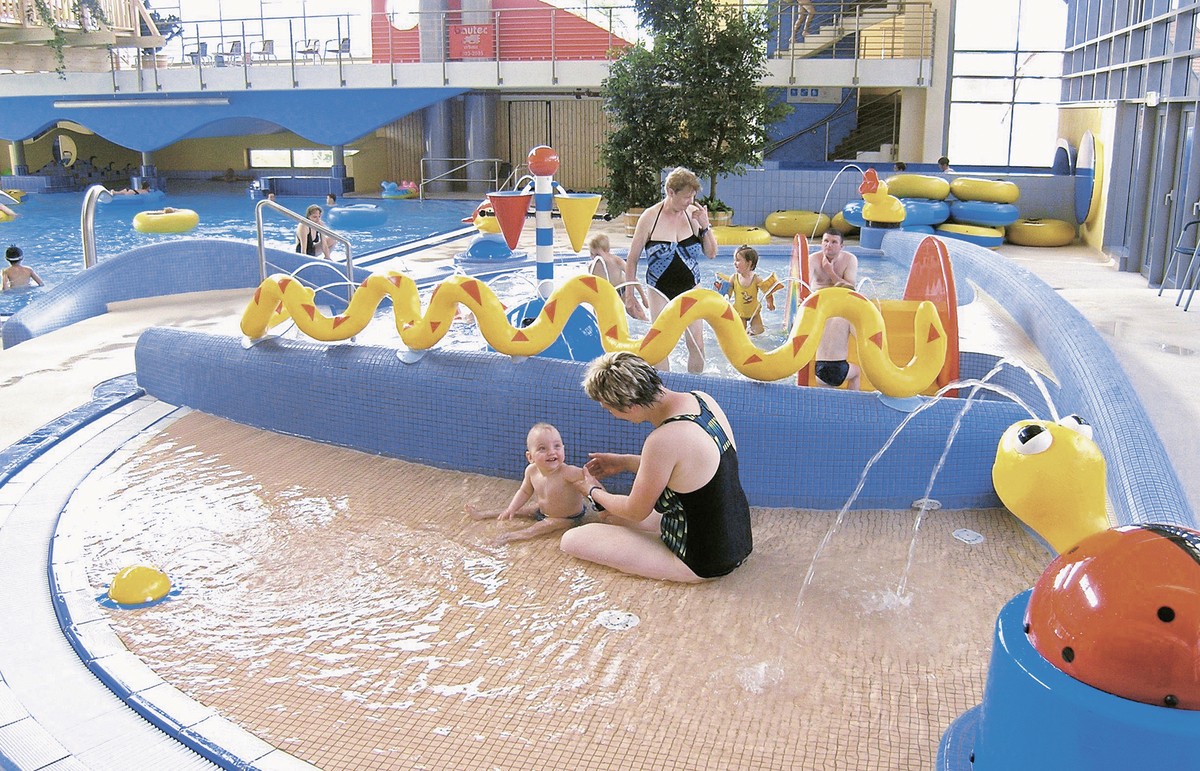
{"x":598,"y":241}
{"x":621,"y":380}
{"x":682,"y":179}
{"x":536,"y":429}
{"x":313,"y":208}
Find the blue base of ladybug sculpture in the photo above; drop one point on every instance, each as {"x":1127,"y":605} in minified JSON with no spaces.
{"x":1035,"y":716}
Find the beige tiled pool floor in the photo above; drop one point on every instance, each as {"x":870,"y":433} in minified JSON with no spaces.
{"x":340,"y":606}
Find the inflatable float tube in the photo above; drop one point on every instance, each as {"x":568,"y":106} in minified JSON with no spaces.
{"x":18,"y":196}
{"x":989,"y":190}
{"x":926,"y":229}
{"x":841,"y":225}
{"x":975,"y":234}
{"x":405,"y":189}
{"x":163,"y":221}
{"x":852,"y":213}
{"x":736,"y":235}
{"x":792,"y":222}
{"x":139,"y":198}
{"x":918,"y":186}
{"x":925,"y":211}
{"x":982,"y":213}
{"x":357,"y":216}
{"x":6,"y":217}
{"x":1040,"y":232}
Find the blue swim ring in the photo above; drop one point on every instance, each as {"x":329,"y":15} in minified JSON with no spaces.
{"x":924,"y":211}
{"x":357,"y":216}
{"x":984,"y":213}
{"x":852,"y":212}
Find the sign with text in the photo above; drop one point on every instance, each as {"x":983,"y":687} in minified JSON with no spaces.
{"x":472,"y":41}
{"x":812,"y":95}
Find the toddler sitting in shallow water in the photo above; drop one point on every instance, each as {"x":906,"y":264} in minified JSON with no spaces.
{"x":547,"y":495}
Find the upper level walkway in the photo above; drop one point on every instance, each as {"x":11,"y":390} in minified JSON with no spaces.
{"x":517,"y":44}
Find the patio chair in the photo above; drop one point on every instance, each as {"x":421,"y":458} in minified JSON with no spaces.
{"x":198,"y":55}
{"x":338,"y":48}
{"x":308,"y":49}
{"x":262,"y":50}
{"x":231,"y":55}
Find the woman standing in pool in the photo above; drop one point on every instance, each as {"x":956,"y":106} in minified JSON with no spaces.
{"x":309,"y":240}
{"x":674,"y":233}
{"x":686,"y":518}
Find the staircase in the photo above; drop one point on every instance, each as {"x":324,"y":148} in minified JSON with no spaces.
{"x":873,"y":138}
{"x":859,"y":17}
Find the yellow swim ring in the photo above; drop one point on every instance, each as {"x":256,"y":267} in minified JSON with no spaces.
{"x":842,"y":225}
{"x":990,"y":190}
{"x":16,"y":195}
{"x":165,"y":221}
{"x":736,"y":235}
{"x":976,"y":234}
{"x":1040,"y":232}
{"x":918,"y":186}
{"x":5,"y":216}
{"x":790,"y":222}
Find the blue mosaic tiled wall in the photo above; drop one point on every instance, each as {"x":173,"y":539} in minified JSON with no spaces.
{"x":471,"y":411}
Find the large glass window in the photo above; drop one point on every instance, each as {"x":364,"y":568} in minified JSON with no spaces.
{"x":1008,"y":58}
{"x":292,"y":158}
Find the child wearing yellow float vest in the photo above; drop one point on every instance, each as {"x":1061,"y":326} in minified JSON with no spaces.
{"x":744,"y":286}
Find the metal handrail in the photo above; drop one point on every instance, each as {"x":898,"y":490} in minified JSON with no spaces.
{"x":300,"y":219}
{"x":87,"y":222}
{"x":462,"y":163}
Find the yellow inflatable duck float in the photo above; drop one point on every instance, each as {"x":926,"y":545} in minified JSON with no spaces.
{"x":1051,"y":476}
{"x":879,"y":206}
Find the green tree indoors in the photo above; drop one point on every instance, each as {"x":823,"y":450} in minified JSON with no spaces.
{"x":691,"y":98}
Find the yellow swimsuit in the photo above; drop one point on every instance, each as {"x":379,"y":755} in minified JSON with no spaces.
{"x":744,"y":299}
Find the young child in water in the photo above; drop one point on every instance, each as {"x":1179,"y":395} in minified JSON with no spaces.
{"x":17,"y":275}
{"x":610,"y":267}
{"x":547,"y":495}
{"x":744,"y":286}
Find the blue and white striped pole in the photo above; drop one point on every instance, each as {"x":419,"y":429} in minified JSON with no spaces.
{"x":543,"y":162}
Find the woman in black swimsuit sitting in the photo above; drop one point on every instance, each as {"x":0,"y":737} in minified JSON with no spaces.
{"x":686,"y":517}
{"x":674,"y":233}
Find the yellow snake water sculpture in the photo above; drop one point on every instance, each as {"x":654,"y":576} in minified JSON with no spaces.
{"x":281,"y":297}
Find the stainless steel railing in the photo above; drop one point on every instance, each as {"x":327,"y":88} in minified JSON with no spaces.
{"x":264,"y":205}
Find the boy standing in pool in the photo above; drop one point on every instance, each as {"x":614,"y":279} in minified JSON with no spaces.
{"x":547,"y":495}
{"x":17,"y":275}
{"x":834,"y":266}
{"x":610,"y":267}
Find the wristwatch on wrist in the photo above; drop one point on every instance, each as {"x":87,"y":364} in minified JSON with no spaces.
{"x":592,"y":500}
{"x":704,"y":231}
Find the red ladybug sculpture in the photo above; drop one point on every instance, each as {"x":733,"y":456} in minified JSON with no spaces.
{"x":1120,"y":611}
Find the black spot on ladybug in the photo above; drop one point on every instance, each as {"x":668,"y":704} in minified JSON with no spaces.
{"x":1170,"y":700}
{"x":1027,"y":628}
{"x":1166,"y":614}
{"x":1068,"y":654}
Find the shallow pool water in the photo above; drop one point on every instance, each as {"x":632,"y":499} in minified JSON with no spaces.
{"x":47,"y":227}
{"x":879,"y":278}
